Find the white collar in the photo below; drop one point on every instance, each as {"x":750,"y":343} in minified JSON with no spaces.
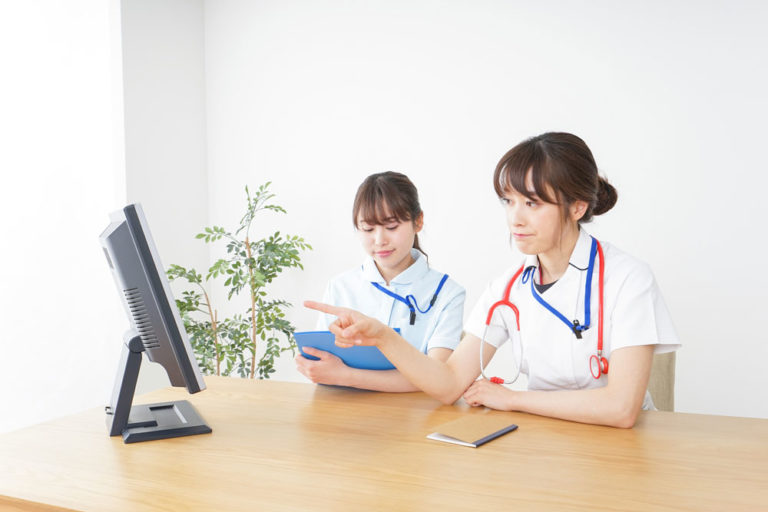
{"x":416,"y":271}
{"x":579,"y":257}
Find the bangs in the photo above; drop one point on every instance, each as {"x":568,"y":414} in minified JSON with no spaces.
{"x":380,"y":203}
{"x":513,"y":168}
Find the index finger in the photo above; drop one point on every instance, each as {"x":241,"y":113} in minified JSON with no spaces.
{"x":322,"y":307}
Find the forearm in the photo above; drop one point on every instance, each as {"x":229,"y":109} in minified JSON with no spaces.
{"x":431,"y":375}
{"x":391,"y":381}
{"x":445,"y":381}
{"x":599,"y":406}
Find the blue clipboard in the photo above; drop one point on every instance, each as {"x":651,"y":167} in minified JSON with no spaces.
{"x":362,"y":357}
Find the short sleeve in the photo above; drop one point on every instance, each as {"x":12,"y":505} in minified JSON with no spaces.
{"x":448,"y":327}
{"x":640,"y":316}
{"x":497,"y":332}
{"x":324,"y":319}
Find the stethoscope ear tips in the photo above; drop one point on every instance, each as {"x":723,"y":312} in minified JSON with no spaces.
{"x":497,"y":380}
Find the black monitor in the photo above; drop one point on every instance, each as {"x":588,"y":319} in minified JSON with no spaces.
{"x":155,"y":329}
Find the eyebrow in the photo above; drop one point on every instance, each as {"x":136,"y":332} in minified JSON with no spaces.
{"x":372,"y":222}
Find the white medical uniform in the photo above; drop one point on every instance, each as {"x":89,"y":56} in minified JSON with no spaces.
{"x":553,"y":358}
{"x":440,"y":327}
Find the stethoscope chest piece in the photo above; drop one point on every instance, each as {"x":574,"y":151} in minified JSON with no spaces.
{"x":598,"y":365}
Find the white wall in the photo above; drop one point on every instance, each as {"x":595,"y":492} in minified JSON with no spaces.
{"x":315,"y":95}
{"x":165,"y":144}
{"x":61,"y":163}
{"x":103,"y":104}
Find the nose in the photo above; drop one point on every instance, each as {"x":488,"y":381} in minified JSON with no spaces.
{"x":515,"y":216}
{"x":380,"y":235}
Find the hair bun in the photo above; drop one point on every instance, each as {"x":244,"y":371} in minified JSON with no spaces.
{"x":606,"y":196}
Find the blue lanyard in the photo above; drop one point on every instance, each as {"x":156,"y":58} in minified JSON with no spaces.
{"x":408,"y":298}
{"x":574,"y":326}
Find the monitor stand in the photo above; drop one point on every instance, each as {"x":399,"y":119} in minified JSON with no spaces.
{"x":146,"y":422}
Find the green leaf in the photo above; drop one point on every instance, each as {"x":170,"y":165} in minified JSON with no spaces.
{"x":269,"y":257}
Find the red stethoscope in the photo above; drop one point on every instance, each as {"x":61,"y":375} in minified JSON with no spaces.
{"x":598,"y":365}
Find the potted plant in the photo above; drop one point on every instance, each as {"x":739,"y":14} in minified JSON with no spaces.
{"x":246,"y":343}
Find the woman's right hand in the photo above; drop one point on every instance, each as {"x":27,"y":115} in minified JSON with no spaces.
{"x":351,"y":327}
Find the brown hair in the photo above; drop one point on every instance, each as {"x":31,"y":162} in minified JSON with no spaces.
{"x":559,"y":162}
{"x":384,"y":197}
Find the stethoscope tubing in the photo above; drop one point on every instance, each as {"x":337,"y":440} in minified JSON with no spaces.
{"x":598,"y":365}
{"x":601,"y":362}
{"x":504,"y":302}
{"x":499,"y":380}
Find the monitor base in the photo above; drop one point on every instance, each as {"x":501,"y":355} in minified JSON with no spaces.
{"x":148,"y":422}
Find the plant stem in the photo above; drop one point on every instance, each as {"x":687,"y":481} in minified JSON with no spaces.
{"x":253,"y":306}
{"x":214,"y":326}
{"x":216,"y":341}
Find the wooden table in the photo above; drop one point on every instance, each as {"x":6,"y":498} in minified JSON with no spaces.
{"x":290,"y":446}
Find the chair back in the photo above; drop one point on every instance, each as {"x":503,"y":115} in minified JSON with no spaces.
{"x":662,"y":381}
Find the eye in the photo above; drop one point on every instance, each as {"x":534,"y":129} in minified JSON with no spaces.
{"x":393,"y":227}
{"x":504,"y":201}
{"x":531,"y":204}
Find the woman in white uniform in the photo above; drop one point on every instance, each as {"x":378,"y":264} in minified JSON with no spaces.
{"x":584,"y":317}
{"x":394,"y":285}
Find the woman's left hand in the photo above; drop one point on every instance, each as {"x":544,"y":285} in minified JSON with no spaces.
{"x":493,"y":396}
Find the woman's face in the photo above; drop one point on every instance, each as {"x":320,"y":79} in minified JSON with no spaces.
{"x":390,"y":243}
{"x":537,"y":227}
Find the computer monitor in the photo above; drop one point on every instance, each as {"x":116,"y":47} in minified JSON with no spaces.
{"x":155,"y":329}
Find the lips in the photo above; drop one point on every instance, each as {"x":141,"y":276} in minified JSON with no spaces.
{"x":384,"y":254}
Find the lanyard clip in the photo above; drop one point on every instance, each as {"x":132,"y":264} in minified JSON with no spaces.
{"x":577,"y":328}
{"x":413,"y":316}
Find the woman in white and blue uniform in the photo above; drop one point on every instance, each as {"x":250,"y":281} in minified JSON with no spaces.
{"x":583,"y":317}
{"x":394,"y":284}
{"x":554,"y":356}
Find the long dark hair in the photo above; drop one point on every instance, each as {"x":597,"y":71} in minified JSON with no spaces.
{"x":560,"y":162}
{"x":384,"y":197}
